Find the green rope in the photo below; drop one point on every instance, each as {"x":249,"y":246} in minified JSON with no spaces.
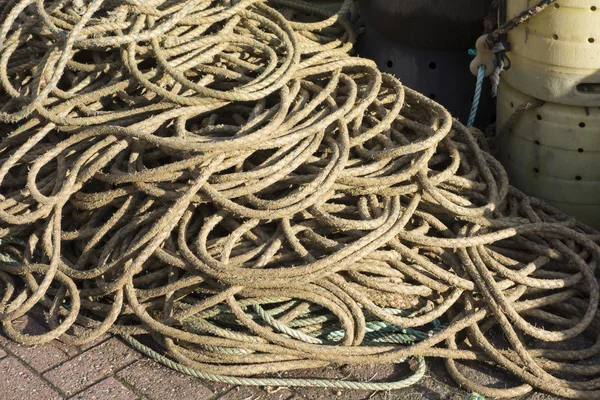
{"x":280,"y":382}
{"x":478,"y":90}
{"x":475,"y":396}
{"x":5,"y":258}
{"x":377,"y":332}
{"x":284,"y":328}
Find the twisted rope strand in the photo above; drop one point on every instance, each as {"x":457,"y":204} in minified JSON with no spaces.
{"x":223,"y":181}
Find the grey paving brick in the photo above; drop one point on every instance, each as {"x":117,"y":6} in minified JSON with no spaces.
{"x":18,"y":383}
{"x":40,"y":358}
{"x":108,"y":389}
{"x":280,"y":393}
{"x":75,"y":350}
{"x":91,"y":366}
{"x":244,"y":392}
{"x":320,"y":393}
{"x":160,"y":383}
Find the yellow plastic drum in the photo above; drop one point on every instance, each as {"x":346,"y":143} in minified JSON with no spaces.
{"x":556,"y":54}
{"x":553,"y":153}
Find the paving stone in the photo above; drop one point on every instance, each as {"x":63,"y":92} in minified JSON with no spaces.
{"x":437,"y":380}
{"x":18,"y":383}
{"x":244,"y":393}
{"x":281,"y":393}
{"x":362,"y":373}
{"x":160,"y":383}
{"x":372,"y":373}
{"x":75,"y":350}
{"x":91,"y":366}
{"x":108,"y":389}
{"x":542,"y":396}
{"x":435,"y":385}
{"x":375,"y":372}
{"x":256,"y":393}
{"x":40,"y":358}
{"x":426,"y":389}
{"x":217,"y":388}
{"x":486,"y":374}
{"x":327,"y":373}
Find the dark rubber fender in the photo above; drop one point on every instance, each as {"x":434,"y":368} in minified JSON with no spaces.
{"x":431,"y":24}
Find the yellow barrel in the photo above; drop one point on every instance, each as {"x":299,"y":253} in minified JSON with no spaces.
{"x":556,"y":54}
{"x":553,"y":153}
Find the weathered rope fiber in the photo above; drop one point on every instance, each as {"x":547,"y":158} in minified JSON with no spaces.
{"x":222,"y":179}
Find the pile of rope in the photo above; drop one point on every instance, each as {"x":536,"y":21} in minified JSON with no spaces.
{"x":222,"y":180}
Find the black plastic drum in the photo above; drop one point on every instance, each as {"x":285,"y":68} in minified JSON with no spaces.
{"x":431,"y":24}
{"x":435,"y":62}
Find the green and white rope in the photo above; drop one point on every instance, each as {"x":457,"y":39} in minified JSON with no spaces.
{"x":281,"y":382}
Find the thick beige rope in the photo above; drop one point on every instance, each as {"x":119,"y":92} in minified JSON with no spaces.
{"x":223,"y":179}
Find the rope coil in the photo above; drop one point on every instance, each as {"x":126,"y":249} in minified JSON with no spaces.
{"x":223,"y":179}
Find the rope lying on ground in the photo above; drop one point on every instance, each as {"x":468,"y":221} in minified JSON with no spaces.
{"x":221,"y":179}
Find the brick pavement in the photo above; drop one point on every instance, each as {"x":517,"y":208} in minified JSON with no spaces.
{"x":109,"y":370}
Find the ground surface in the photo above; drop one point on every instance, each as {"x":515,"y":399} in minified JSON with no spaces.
{"x":109,"y":369}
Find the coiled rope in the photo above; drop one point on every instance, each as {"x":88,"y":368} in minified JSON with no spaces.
{"x":221,"y":179}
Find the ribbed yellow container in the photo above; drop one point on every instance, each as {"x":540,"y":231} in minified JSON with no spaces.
{"x":553,"y":153}
{"x":556,"y":54}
